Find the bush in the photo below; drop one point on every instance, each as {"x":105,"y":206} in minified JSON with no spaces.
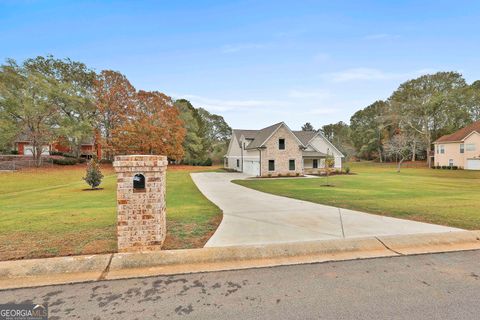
{"x":82,"y":160}
{"x":347,"y":170}
{"x":94,"y":176}
{"x":438,"y":167}
{"x":65,"y":161}
{"x":15,"y":152}
{"x":269,"y":175}
{"x":56,"y":153}
{"x":69,"y":155}
{"x":279,"y":175}
{"x":444,"y":167}
{"x":297,"y":174}
{"x":454,"y":167}
{"x":207,"y":162}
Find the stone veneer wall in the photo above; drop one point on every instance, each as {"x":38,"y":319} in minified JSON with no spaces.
{"x":141,"y":215}
{"x":292,"y":152}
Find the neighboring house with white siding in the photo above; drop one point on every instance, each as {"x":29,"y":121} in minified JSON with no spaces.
{"x":277,"y":150}
{"x":461,"y":148}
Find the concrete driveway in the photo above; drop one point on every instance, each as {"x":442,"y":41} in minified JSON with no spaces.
{"x":254,"y":217}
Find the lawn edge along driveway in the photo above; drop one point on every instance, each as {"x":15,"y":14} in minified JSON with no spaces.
{"x":443,"y":197}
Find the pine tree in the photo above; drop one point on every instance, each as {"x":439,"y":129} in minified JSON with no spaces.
{"x":94,"y":176}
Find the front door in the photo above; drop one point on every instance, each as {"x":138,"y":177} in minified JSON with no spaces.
{"x":315,"y":163}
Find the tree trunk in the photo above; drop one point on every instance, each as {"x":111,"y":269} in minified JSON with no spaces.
{"x":399,"y":165}
{"x":414,"y":147}
{"x":380,"y":154}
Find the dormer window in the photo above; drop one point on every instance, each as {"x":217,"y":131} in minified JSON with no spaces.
{"x":281,"y":144}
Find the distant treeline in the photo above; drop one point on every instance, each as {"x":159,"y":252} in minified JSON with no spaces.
{"x":45,"y":99}
{"x":406,"y":124}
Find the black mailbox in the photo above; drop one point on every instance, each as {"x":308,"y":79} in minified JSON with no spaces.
{"x":138,"y":183}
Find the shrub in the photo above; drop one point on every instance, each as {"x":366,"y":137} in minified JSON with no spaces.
{"x":279,"y":175}
{"x":65,"y":161}
{"x":56,"y":153}
{"x":15,"y":152}
{"x":434,"y":167}
{"x":297,"y":174}
{"x":347,"y":170}
{"x":207,"y":162}
{"x":438,"y":167}
{"x":94,"y":176}
{"x":444,"y":167}
{"x":269,"y":175}
{"x":82,"y":160}
{"x":69,"y":155}
{"x":454,"y":167}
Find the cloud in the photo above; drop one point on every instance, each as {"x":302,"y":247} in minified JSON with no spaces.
{"x":222,"y":105}
{"x":232,"y":48}
{"x":381,"y":36}
{"x":370,"y":74}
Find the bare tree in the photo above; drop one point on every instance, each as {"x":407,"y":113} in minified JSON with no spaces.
{"x":401,"y":147}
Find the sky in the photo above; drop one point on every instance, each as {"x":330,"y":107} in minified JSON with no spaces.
{"x":255,"y":62}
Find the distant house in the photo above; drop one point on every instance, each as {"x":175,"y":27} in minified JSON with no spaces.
{"x":88,"y":147}
{"x":277,"y":150}
{"x":461,"y":148}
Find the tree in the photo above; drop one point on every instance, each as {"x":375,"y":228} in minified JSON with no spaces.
{"x":115,"y":100}
{"x":194,"y":144}
{"x":154,"y":128}
{"x":26,"y":105}
{"x":427,"y":104}
{"x":339,"y":135}
{"x":368,"y":128}
{"x":93,"y":176}
{"x":400,"y":147}
{"x":72,"y":96}
{"x":308,"y":127}
{"x":216,"y":133}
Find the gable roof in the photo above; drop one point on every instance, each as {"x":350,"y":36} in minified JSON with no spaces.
{"x":461,"y":134}
{"x":248,"y":134}
{"x":305,"y":136}
{"x":262,"y":135}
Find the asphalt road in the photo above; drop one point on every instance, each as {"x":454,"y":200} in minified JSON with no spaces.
{"x":434,"y":286}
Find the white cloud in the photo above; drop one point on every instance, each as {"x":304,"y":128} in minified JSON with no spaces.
{"x":222,"y":105}
{"x":369,"y":74}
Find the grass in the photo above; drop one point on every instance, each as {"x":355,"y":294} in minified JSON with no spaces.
{"x":45,"y":212}
{"x":445,"y":197}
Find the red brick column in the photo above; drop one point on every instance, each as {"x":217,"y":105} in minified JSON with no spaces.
{"x":141,"y":212}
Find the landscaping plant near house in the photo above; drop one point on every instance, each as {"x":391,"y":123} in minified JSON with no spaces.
{"x":94,"y":176}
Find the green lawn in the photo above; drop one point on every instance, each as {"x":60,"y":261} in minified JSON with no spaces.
{"x":444,"y":197}
{"x":46,"y":213}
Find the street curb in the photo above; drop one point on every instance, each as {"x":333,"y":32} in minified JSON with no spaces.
{"x":61,"y":270}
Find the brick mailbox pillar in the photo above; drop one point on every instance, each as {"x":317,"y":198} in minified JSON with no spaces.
{"x":141,"y":211}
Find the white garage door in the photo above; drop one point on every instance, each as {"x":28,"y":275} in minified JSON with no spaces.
{"x":473,"y":164}
{"x":251,"y":167}
{"x":28,"y":150}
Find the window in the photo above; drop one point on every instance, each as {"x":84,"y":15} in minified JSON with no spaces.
{"x":315,"y":163}
{"x":291,"y":164}
{"x":450,"y":163}
{"x":271,"y":165}
{"x":238,"y":163}
{"x":442,"y":149}
{"x":281,"y":144}
{"x":470,"y":146}
{"x":462,"y":148}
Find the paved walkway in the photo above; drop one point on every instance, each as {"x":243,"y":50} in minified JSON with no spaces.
{"x":254,"y":217}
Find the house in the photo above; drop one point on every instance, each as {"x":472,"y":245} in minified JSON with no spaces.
{"x":277,"y":150}
{"x":88,"y":147}
{"x":461,"y":148}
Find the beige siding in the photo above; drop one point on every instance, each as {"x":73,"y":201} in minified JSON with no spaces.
{"x":282,"y":157}
{"x":321,"y":145}
{"x":452,"y":152}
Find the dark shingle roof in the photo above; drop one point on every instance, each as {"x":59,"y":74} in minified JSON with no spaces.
{"x":460,"y":134}
{"x":263,"y":135}
{"x":305,"y":136}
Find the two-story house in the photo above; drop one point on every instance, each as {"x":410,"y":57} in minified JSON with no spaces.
{"x":277,"y":150}
{"x":461,"y":148}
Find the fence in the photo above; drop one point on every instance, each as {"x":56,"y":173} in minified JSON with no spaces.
{"x":12,"y":163}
